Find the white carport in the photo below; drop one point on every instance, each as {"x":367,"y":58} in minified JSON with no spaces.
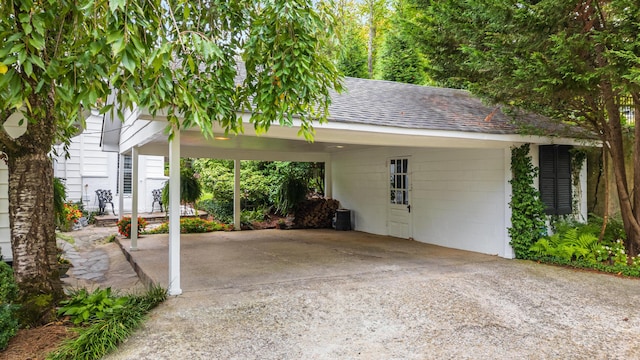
{"x":372,"y":116}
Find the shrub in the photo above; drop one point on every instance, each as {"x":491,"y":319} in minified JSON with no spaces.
{"x":85,"y":308}
{"x":103,"y":335}
{"x":192,"y":225}
{"x":124,"y":226}
{"x":8,"y":294}
{"x":220,"y":210}
{"x":249,"y":216}
{"x":577,"y":245}
{"x":59,"y":196}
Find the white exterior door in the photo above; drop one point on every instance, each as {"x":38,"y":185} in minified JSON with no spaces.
{"x":399,"y":218}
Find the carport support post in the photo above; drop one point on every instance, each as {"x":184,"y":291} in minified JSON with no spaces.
{"x":328,"y":191}
{"x":174,"y":214}
{"x":134,"y":198}
{"x":121,"y":186}
{"x":236,"y":194}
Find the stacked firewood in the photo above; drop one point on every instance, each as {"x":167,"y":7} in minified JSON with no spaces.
{"x":315,"y":213}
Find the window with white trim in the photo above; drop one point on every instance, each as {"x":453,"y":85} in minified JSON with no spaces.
{"x":127,"y":174}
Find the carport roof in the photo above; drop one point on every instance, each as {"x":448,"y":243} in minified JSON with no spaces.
{"x":367,"y":113}
{"x":388,"y":103}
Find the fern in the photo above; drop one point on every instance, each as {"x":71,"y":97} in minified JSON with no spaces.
{"x":570,"y":245}
{"x":541,"y":247}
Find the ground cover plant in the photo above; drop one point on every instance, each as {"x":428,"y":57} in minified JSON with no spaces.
{"x":578,"y":245}
{"x":192,"y":225}
{"x":106,"y":320}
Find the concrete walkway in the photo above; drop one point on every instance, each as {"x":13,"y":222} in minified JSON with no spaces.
{"x":322,"y":294}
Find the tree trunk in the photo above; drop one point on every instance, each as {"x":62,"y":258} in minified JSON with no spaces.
{"x":635,"y":245}
{"x":613,"y":137}
{"x":605,"y":217}
{"x":33,"y":237}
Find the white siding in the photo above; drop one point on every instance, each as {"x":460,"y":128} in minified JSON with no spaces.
{"x":88,"y":169}
{"x":458,"y":195}
{"x":5,"y":233}
{"x":360,"y":184}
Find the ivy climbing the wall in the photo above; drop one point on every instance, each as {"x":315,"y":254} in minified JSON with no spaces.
{"x":527,"y":210}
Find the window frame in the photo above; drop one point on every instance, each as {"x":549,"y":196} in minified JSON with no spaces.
{"x":127,"y":170}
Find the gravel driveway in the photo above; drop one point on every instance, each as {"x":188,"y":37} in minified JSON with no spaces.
{"x":400,"y":302}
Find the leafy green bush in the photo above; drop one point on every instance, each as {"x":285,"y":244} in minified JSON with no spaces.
{"x":8,"y":294}
{"x":104,"y":335}
{"x":249,"y":216}
{"x":191,"y":225}
{"x":220,"y":210}
{"x":260,"y":182}
{"x":59,"y":198}
{"x":577,"y":245}
{"x":85,"y":308}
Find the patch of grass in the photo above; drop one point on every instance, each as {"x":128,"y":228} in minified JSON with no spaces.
{"x":104,"y":335}
{"x":65,"y":237}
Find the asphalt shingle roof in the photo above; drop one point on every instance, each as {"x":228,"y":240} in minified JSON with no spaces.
{"x":395,"y":104}
{"x":387,"y":103}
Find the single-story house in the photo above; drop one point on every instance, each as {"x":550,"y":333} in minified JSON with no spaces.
{"x":423,"y":163}
{"x":88,"y":168}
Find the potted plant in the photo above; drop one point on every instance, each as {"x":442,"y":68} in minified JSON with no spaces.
{"x":63,"y":264}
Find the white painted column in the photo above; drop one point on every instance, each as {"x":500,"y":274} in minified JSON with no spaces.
{"x":236,"y":195}
{"x":508,"y":250}
{"x":328,"y":187}
{"x":134,"y":198}
{"x":583,"y":192}
{"x":120,"y":186}
{"x":174,"y":214}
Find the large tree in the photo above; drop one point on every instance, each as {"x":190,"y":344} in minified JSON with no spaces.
{"x":57,"y":57}
{"x":399,"y":60}
{"x":575,"y":61}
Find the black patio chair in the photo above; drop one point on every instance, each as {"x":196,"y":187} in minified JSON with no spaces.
{"x":104,"y":198}
{"x":157,"y":198}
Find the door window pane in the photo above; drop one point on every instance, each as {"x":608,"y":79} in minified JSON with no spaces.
{"x":399,"y":181}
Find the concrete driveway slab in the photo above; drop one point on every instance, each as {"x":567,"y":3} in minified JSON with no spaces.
{"x":348,"y":295}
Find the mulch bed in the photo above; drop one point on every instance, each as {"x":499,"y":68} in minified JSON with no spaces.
{"x":36,"y":343}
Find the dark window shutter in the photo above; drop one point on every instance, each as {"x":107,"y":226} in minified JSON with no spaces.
{"x":547,"y":178}
{"x":563,"y":184}
{"x":555,"y":179}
